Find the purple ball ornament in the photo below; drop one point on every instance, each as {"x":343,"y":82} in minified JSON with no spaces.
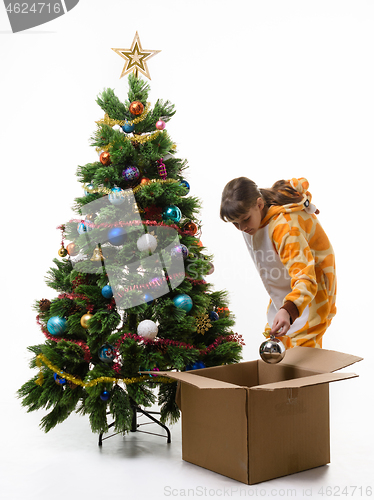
{"x":131,"y":174}
{"x":179,"y":250}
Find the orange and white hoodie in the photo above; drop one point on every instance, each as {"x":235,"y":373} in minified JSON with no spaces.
{"x":296,"y":263}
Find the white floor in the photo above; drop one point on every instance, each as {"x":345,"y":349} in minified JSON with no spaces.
{"x":67,"y":463}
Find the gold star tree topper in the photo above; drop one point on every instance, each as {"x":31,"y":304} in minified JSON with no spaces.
{"x":136,"y":58}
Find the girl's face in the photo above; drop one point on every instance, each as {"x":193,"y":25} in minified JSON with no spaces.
{"x":250,"y":221}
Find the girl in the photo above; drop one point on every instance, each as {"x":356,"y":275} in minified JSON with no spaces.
{"x":292,"y":253}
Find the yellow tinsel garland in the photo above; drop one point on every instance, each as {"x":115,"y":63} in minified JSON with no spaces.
{"x":141,"y":139}
{"x":109,"y":121}
{"x":77,"y":381}
{"x":105,"y":190}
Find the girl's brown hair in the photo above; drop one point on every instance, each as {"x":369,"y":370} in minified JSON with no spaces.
{"x":241,"y":194}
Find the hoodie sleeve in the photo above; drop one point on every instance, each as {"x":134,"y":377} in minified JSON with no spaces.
{"x":296,"y":255}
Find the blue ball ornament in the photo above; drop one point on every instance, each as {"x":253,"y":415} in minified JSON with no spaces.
{"x":83,"y":227}
{"x":56,"y":325}
{"x":128,"y":128}
{"x":198,"y":365}
{"x":58,"y":379}
{"x":116,"y":196}
{"x":186,"y":185}
{"x":106,"y":353}
{"x":172,"y":212}
{"x":117,"y":236}
{"x":183,"y":301}
{"x":148,"y":299}
{"x":131,"y":174}
{"x":89,"y":189}
{"x":105,"y":395}
{"x":107,"y":292}
{"x":213,"y":316}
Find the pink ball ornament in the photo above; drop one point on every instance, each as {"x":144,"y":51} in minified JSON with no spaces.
{"x":160,"y":125}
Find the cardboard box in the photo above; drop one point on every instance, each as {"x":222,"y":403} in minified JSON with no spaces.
{"x":254,"y":421}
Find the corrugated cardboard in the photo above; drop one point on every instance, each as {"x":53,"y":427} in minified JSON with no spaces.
{"x":254,"y":421}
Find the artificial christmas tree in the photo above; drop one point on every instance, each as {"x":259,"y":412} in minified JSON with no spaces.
{"x":132,"y":295}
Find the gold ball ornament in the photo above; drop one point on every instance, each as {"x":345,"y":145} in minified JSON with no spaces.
{"x":72,"y":249}
{"x":85,"y":319}
{"x":136,"y":108}
{"x":62,"y":252}
{"x":105,"y":158}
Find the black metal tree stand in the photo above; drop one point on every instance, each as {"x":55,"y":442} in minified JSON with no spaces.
{"x":135,"y":425}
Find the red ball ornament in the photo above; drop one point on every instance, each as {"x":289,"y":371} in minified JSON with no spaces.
{"x":72,"y":249}
{"x":136,"y":108}
{"x":105,"y":158}
{"x":145,"y":181}
{"x":160,"y":125}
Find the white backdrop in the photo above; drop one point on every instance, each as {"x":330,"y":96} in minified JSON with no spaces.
{"x":268,"y":89}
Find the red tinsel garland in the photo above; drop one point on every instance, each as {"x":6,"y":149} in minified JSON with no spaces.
{"x":229,"y":338}
{"x":80,"y":343}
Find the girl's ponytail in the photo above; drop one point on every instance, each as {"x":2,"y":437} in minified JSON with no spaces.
{"x":281,"y":193}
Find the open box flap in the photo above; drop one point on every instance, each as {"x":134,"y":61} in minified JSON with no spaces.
{"x":198,"y":380}
{"x":321,"y":378}
{"x":318,"y":360}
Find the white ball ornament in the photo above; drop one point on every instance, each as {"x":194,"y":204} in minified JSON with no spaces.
{"x":147,"y":242}
{"x":147,"y":329}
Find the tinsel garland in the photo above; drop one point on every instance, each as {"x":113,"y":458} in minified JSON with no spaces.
{"x":111,"y":122}
{"x":100,"y":380}
{"x":105,"y":225}
{"x":140,"y":139}
{"x":234,"y":337}
{"x":87,"y":354}
{"x":105,"y":190}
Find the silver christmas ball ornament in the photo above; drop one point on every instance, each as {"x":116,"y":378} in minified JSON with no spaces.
{"x":272,"y":350}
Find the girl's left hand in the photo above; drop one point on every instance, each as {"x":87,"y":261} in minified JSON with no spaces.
{"x":281,"y":323}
